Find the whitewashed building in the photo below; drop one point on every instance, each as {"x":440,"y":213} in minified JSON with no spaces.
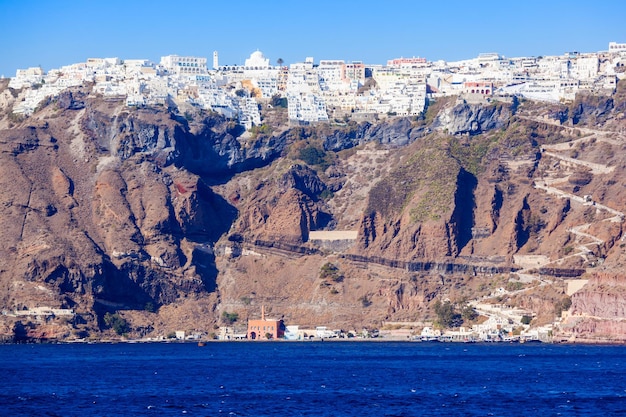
{"x":249,"y":114}
{"x":617,"y":48}
{"x":26,"y":77}
{"x":184,"y":65}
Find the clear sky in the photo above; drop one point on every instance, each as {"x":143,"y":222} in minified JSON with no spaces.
{"x":53,"y":33}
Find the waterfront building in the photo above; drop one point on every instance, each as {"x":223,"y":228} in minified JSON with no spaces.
{"x":231,"y":333}
{"x":265,"y":329}
{"x":293,"y":333}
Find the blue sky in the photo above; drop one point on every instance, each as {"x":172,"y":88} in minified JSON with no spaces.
{"x":61,"y":32}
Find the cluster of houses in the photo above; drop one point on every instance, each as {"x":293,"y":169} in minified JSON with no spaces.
{"x":501,"y":325}
{"x":330,"y":89}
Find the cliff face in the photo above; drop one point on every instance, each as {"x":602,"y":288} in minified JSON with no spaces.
{"x":473,"y":119}
{"x":602,"y":297}
{"x":109,"y":209}
{"x":95,"y":212}
{"x":397,"y":132}
{"x":597,"y":312}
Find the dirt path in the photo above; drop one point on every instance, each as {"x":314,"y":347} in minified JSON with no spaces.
{"x":601,"y":134}
{"x":579,"y":231}
{"x":619,"y":216}
{"x":595,"y":168}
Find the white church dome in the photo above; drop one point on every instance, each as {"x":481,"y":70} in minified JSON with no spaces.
{"x":257,"y":60}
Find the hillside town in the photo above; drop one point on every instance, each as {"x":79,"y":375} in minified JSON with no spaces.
{"x":335,"y":91}
{"x":329,"y":90}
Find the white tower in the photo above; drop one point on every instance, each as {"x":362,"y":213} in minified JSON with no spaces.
{"x":215,"y":60}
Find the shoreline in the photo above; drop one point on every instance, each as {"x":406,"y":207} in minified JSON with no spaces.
{"x":203,"y":342}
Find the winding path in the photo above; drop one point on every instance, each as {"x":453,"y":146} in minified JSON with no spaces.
{"x":596,"y":169}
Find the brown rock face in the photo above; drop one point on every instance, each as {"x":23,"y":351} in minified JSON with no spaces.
{"x":63,"y":187}
{"x":418,"y":211}
{"x":93,"y":218}
{"x":105,"y":208}
{"x":430,"y":241}
{"x":114,"y":217}
{"x":598,"y":311}
{"x":602,"y":297}
{"x":285,"y":209}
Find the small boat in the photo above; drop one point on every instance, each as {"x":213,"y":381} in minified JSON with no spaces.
{"x":201,"y":344}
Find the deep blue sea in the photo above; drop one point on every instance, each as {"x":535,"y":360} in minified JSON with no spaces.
{"x":312,"y":379}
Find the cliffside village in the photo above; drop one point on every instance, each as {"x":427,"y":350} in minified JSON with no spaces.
{"x":329,"y":90}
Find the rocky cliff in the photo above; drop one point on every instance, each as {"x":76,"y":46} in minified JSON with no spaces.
{"x":170,"y":218}
{"x":597,"y":311}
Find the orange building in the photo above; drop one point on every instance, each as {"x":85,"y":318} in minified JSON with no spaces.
{"x":265,"y":329}
{"x":483,"y":88}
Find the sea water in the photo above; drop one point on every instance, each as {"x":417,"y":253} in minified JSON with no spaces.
{"x":312,"y":379}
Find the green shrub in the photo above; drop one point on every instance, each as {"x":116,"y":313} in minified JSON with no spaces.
{"x":469,"y":313}
{"x":562,"y":305}
{"x":447,"y":315}
{"x":117,"y":323}
{"x":331,"y":272}
{"x":326,"y":195}
{"x":229,"y":318}
{"x":312,"y":155}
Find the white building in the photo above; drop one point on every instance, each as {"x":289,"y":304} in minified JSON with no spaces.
{"x":305,"y":103}
{"x":400,"y":91}
{"x":259,"y":72}
{"x":26,"y":77}
{"x":306,"y":107}
{"x":293,"y":333}
{"x":587,"y":67}
{"x":249,"y":114}
{"x":429,"y":334}
{"x":184,"y":65}
{"x":331,"y":75}
{"x":615,"y":47}
{"x":257,"y":61}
